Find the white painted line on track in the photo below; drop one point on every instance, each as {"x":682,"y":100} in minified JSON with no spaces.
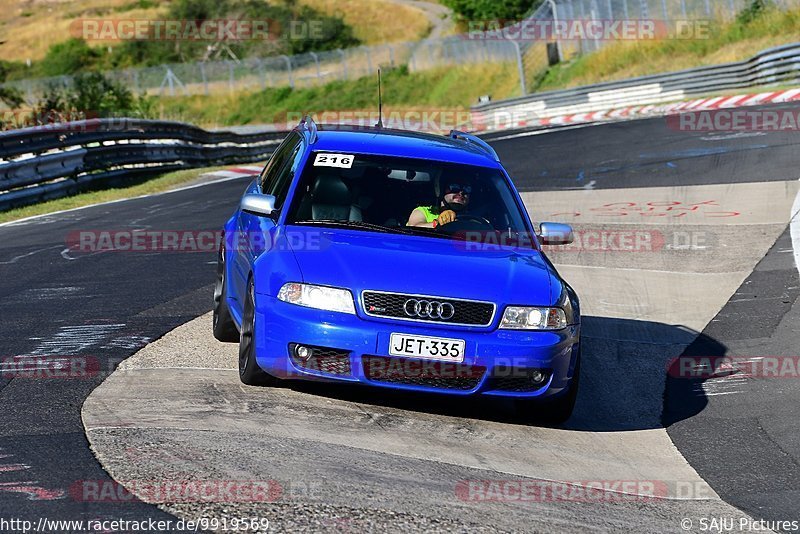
{"x":794,"y":230}
{"x":33,"y":217}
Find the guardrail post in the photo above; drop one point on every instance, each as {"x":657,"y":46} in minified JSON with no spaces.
{"x":610,"y":10}
{"x":643,"y":8}
{"x":344,"y":62}
{"x":289,"y":67}
{"x":520,"y":67}
{"x":625,"y":9}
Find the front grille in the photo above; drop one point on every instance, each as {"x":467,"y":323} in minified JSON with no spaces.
{"x":516,"y":379}
{"x":393,"y":305}
{"x":323,"y":359}
{"x":426,"y":373}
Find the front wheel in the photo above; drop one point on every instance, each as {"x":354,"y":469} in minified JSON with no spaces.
{"x":223,"y":325}
{"x":249,"y":371}
{"x":554,"y":411}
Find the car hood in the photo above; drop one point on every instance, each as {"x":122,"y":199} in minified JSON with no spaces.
{"x":360,"y":260}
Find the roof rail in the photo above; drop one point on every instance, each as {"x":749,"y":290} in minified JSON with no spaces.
{"x":308,"y":125}
{"x":475,"y":140}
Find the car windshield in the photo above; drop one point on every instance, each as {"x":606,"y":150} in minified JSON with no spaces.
{"x":379,"y":193}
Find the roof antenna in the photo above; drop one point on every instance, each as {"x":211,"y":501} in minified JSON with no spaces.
{"x":380,"y":102}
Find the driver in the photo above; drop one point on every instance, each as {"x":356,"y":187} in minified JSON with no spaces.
{"x":454,"y":200}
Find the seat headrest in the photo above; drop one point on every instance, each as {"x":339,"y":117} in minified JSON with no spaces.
{"x":331,"y":190}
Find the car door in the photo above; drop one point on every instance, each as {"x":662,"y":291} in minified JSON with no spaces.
{"x":256,"y":234}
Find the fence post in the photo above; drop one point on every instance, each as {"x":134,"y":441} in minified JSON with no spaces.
{"x":369,"y":59}
{"x":610,"y":10}
{"x":391,"y":55}
{"x":262,"y":73}
{"x":520,"y":67}
{"x":625,"y":9}
{"x":289,"y":67}
{"x":203,"y":76}
{"x":554,"y":9}
{"x":316,"y":62}
{"x":708,"y":8}
{"x":643,"y":8}
{"x":344,"y":62}
{"x":231,"y":77}
{"x":664,"y":9}
{"x":683,"y":9}
{"x":732,"y":8}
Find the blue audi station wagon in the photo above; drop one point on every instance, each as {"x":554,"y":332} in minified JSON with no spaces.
{"x":400,"y":260}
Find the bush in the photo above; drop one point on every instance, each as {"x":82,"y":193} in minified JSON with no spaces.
{"x":9,"y":96}
{"x":93,"y":95}
{"x":68,"y":57}
{"x":756,"y":9}
{"x":335,"y":33}
{"x":491,"y":9}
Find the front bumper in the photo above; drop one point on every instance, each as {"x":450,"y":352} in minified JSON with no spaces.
{"x":352,"y":348}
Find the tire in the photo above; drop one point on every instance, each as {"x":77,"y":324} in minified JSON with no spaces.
{"x":249,"y":371}
{"x":224,"y":328}
{"x":554,"y":411}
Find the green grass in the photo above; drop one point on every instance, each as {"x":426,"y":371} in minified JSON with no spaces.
{"x":726,"y":42}
{"x":455,"y":87}
{"x":162,"y":183}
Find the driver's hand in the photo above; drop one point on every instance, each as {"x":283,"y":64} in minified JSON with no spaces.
{"x":447,"y":216}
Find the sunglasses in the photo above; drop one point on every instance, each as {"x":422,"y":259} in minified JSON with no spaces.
{"x":458,"y":188}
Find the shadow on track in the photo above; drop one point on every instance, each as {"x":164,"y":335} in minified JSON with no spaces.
{"x":625,"y":369}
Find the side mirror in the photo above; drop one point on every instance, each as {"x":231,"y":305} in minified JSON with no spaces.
{"x":256,"y":204}
{"x":555,"y":234}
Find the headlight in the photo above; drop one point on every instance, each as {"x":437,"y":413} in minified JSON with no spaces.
{"x":319,"y":297}
{"x":565,"y":312}
{"x":531,"y":318}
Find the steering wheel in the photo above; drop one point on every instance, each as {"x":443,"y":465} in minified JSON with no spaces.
{"x":466,"y":223}
{"x":474,"y":218}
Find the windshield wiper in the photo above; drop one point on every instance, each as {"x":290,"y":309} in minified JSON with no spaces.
{"x":354,"y":224}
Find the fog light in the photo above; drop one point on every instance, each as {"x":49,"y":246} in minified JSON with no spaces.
{"x":537,"y":377}
{"x":302,"y":352}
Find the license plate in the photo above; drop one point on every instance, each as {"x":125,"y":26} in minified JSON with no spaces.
{"x":432,"y":348}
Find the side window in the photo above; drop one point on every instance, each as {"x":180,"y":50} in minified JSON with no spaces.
{"x":278,"y":161}
{"x":280,"y":186}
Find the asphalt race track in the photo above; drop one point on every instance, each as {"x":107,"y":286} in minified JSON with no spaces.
{"x":712,"y":273}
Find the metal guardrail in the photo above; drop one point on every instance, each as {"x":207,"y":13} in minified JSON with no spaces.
{"x":45,"y":162}
{"x":775,"y":65}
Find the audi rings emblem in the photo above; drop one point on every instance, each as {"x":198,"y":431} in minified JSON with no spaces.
{"x":429,"y":309}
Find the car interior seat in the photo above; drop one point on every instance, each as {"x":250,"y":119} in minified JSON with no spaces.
{"x":332,"y":199}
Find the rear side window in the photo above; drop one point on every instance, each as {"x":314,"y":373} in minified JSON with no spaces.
{"x":280,"y":186}
{"x":271,"y":173}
